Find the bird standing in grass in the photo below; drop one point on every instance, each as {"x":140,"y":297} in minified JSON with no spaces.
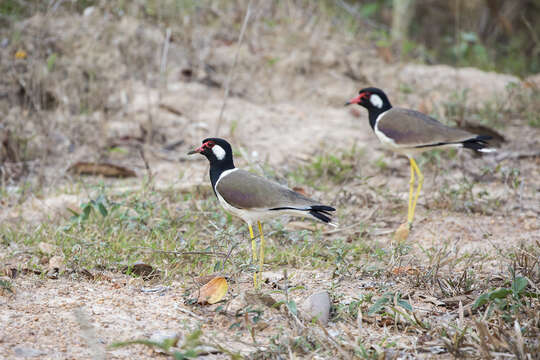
{"x":254,"y":198}
{"x":409,"y":132}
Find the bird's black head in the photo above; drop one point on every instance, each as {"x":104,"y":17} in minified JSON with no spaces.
{"x":217,"y":151}
{"x":372,"y":99}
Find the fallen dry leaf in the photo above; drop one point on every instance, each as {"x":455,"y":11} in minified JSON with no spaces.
{"x":213,"y":291}
{"x":405,"y":270}
{"x":21,"y":54}
{"x":204,"y":279}
{"x":386,"y":321}
{"x":300,"y":190}
{"x":172,"y":109}
{"x":12,"y":271}
{"x":104,"y":169}
{"x":147,"y":272}
{"x":87,"y":274}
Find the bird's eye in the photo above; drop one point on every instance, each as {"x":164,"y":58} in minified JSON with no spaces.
{"x":209,"y":144}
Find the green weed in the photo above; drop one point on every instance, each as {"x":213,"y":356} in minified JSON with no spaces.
{"x":506,"y":300}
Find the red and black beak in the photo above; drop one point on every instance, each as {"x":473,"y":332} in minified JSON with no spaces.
{"x":357,"y":99}
{"x":197,"y":151}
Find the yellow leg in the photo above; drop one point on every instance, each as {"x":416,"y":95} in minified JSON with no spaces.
{"x":411,"y":187}
{"x":420,"y":182}
{"x":261,"y":255}
{"x":253,"y":252}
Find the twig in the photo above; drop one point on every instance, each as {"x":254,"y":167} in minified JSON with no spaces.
{"x":334,"y":342}
{"x":229,"y":253}
{"x":173,"y":145}
{"x":530,"y":28}
{"x":181,"y":253}
{"x":289,"y":312}
{"x":186,"y":311}
{"x":382,"y":232}
{"x":354,"y":12}
{"x":146,"y":165}
{"x":163,"y":65}
{"x":229,"y":75}
{"x":55,"y":5}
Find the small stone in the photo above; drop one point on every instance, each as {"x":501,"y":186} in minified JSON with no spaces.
{"x":317,"y":306}
{"x":56,"y":266}
{"x":88,"y":11}
{"x":170,"y":336}
{"x":25,"y":351}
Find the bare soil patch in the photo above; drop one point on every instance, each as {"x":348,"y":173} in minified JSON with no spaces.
{"x":476,"y":221}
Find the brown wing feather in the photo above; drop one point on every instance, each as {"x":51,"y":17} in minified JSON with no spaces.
{"x":410,"y":128}
{"x":245,"y":190}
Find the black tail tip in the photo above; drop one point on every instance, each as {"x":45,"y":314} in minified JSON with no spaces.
{"x":321,"y":216}
{"x":321,"y":212}
{"x":479,"y":143}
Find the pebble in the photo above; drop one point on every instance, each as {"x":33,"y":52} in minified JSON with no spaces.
{"x":317,"y":305}
{"x":25,"y":351}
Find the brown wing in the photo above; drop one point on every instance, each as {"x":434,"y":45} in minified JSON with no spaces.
{"x":245,"y":190}
{"x":409,"y":128}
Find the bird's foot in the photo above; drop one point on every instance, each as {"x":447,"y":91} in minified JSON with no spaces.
{"x":402,"y":232}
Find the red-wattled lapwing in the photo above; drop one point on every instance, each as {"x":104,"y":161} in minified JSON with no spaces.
{"x":409,"y":132}
{"x":251,"y":197}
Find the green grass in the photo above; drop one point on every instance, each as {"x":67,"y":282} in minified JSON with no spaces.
{"x":183,"y":236}
{"x":113,"y":230}
{"x":13,"y":9}
{"x":327,"y":168}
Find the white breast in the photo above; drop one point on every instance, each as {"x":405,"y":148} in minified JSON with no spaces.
{"x":250,"y":216}
{"x":385,"y":140}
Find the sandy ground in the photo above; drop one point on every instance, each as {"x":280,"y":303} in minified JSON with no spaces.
{"x":282,"y":126}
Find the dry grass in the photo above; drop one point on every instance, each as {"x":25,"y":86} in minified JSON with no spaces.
{"x":466,"y":283}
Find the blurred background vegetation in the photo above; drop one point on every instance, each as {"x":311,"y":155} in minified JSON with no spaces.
{"x":494,"y":35}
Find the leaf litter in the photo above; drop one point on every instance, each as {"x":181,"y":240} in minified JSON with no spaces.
{"x":213,"y":291}
{"x":120,"y":312}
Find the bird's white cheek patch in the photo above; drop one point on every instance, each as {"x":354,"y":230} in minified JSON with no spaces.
{"x":376,"y":101}
{"x":219,"y":152}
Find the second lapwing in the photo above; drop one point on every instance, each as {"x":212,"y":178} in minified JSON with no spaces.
{"x":409,"y":132}
{"x":252,"y":197}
